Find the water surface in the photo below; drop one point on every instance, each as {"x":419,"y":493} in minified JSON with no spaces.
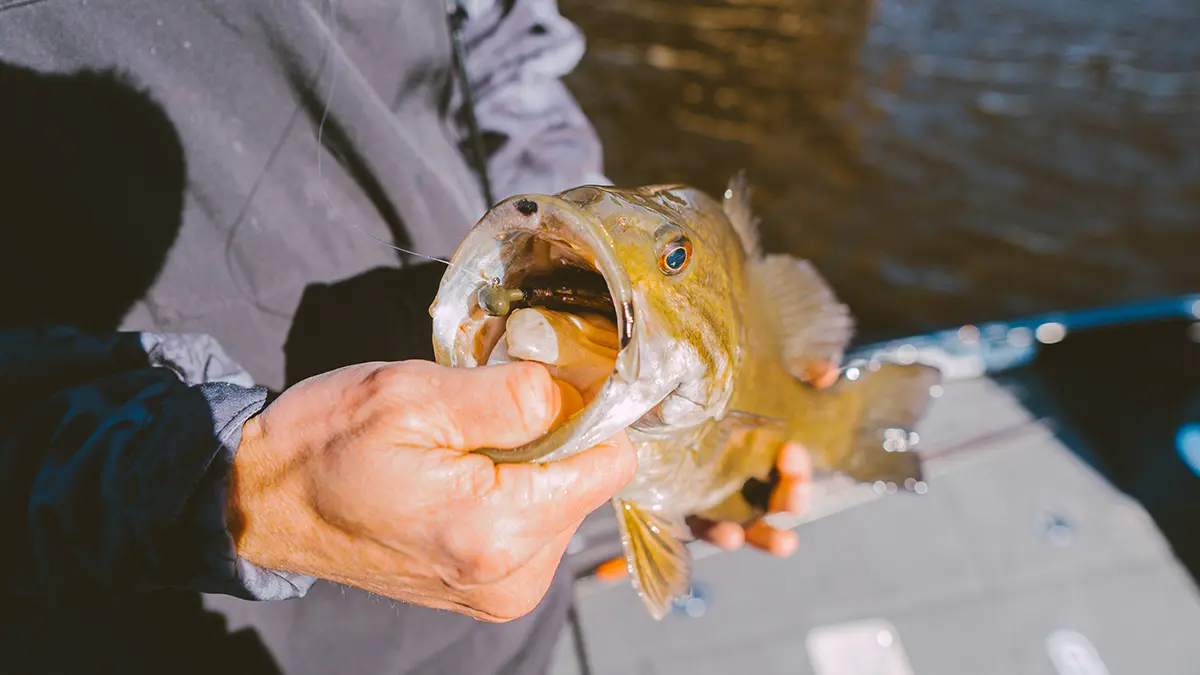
{"x":941,"y":161}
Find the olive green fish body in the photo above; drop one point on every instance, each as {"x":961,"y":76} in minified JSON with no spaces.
{"x":715,"y":341}
{"x":778,"y":318}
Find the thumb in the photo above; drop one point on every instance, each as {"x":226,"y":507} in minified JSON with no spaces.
{"x":557,"y":495}
{"x":501,"y":406}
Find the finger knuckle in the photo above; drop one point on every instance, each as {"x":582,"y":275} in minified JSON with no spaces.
{"x":511,"y":607}
{"x":477,"y":560}
{"x":506,"y":602}
{"x":389,"y":379}
{"x":406,"y":396}
{"x":473,"y":481}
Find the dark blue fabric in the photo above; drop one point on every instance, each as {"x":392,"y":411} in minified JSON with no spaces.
{"x":112,"y":474}
{"x":95,"y":188}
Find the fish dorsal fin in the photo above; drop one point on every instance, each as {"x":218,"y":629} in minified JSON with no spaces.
{"x":737,"y":209}
{"x":813,"y":326}
{"x":660,"y":564}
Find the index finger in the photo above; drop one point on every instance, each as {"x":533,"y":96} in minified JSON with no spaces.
{"x":558,"y":494}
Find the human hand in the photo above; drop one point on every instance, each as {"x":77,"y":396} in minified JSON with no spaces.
{"x":790,"y":494}
{"x":793,"y":469}
{"x":364,"y":476}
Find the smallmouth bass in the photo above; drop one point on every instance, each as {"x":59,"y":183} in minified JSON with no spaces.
{"x":659,"y":306}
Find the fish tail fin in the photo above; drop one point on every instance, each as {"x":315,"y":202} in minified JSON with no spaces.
{"x":892,"y":398}
{"x":660,"y":564}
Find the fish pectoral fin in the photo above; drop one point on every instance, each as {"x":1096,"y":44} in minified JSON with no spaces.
{"x":892,"y":399}
{"x":728,"y":430}
{"x":813,"y":326}
{"x":743,"y":444}
{"x":659,"y":560}
{"x":747,"y":420}
{"x":737,"y":209}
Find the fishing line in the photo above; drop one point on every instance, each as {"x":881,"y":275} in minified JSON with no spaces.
{"x":328,"y":56}
{"x":333,"y":73}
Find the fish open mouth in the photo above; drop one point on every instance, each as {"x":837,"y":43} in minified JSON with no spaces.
{"x":556,"y":280}
{"x":528,"y":252}
{"x":540,"y":266}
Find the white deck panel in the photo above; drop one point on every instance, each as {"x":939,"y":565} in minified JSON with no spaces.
{"x":1015,"y":540}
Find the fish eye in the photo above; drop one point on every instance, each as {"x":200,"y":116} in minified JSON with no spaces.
{"x":674,"y":255}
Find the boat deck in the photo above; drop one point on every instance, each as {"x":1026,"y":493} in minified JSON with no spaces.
{"x":1019,"y":554}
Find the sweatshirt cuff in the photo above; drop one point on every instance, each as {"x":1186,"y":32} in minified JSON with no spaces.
{"x":225,"y":572}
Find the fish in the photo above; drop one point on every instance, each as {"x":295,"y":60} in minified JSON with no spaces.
{"x":659,"y":304}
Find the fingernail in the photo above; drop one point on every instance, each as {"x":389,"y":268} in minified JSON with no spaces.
{"x":786,"y":544}
{"x":793,"y":459}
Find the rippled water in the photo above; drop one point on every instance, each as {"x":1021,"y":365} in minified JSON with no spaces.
{"x":941,"y":161}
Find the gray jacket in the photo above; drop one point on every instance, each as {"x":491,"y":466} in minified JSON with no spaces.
{"x":305,"y":135}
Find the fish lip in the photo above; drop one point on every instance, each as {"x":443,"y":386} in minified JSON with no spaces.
{"x":481,"y":257}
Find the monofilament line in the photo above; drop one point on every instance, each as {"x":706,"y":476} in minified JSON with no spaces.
{"x":333,"y":72}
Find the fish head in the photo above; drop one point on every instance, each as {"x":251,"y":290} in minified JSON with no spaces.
{"x":667,"y":260}
{"x":683,"y":262}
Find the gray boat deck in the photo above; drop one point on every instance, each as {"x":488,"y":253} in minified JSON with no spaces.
{"x":1018,"y":546}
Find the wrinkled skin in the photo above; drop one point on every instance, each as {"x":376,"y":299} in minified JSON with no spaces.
{"x":364,"y":476}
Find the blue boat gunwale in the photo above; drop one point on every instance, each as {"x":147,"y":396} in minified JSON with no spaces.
{"x":992,"y":345}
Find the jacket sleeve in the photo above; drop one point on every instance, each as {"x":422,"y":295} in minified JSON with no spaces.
{"x":539,"y":140}
{"x":113,"y":471}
